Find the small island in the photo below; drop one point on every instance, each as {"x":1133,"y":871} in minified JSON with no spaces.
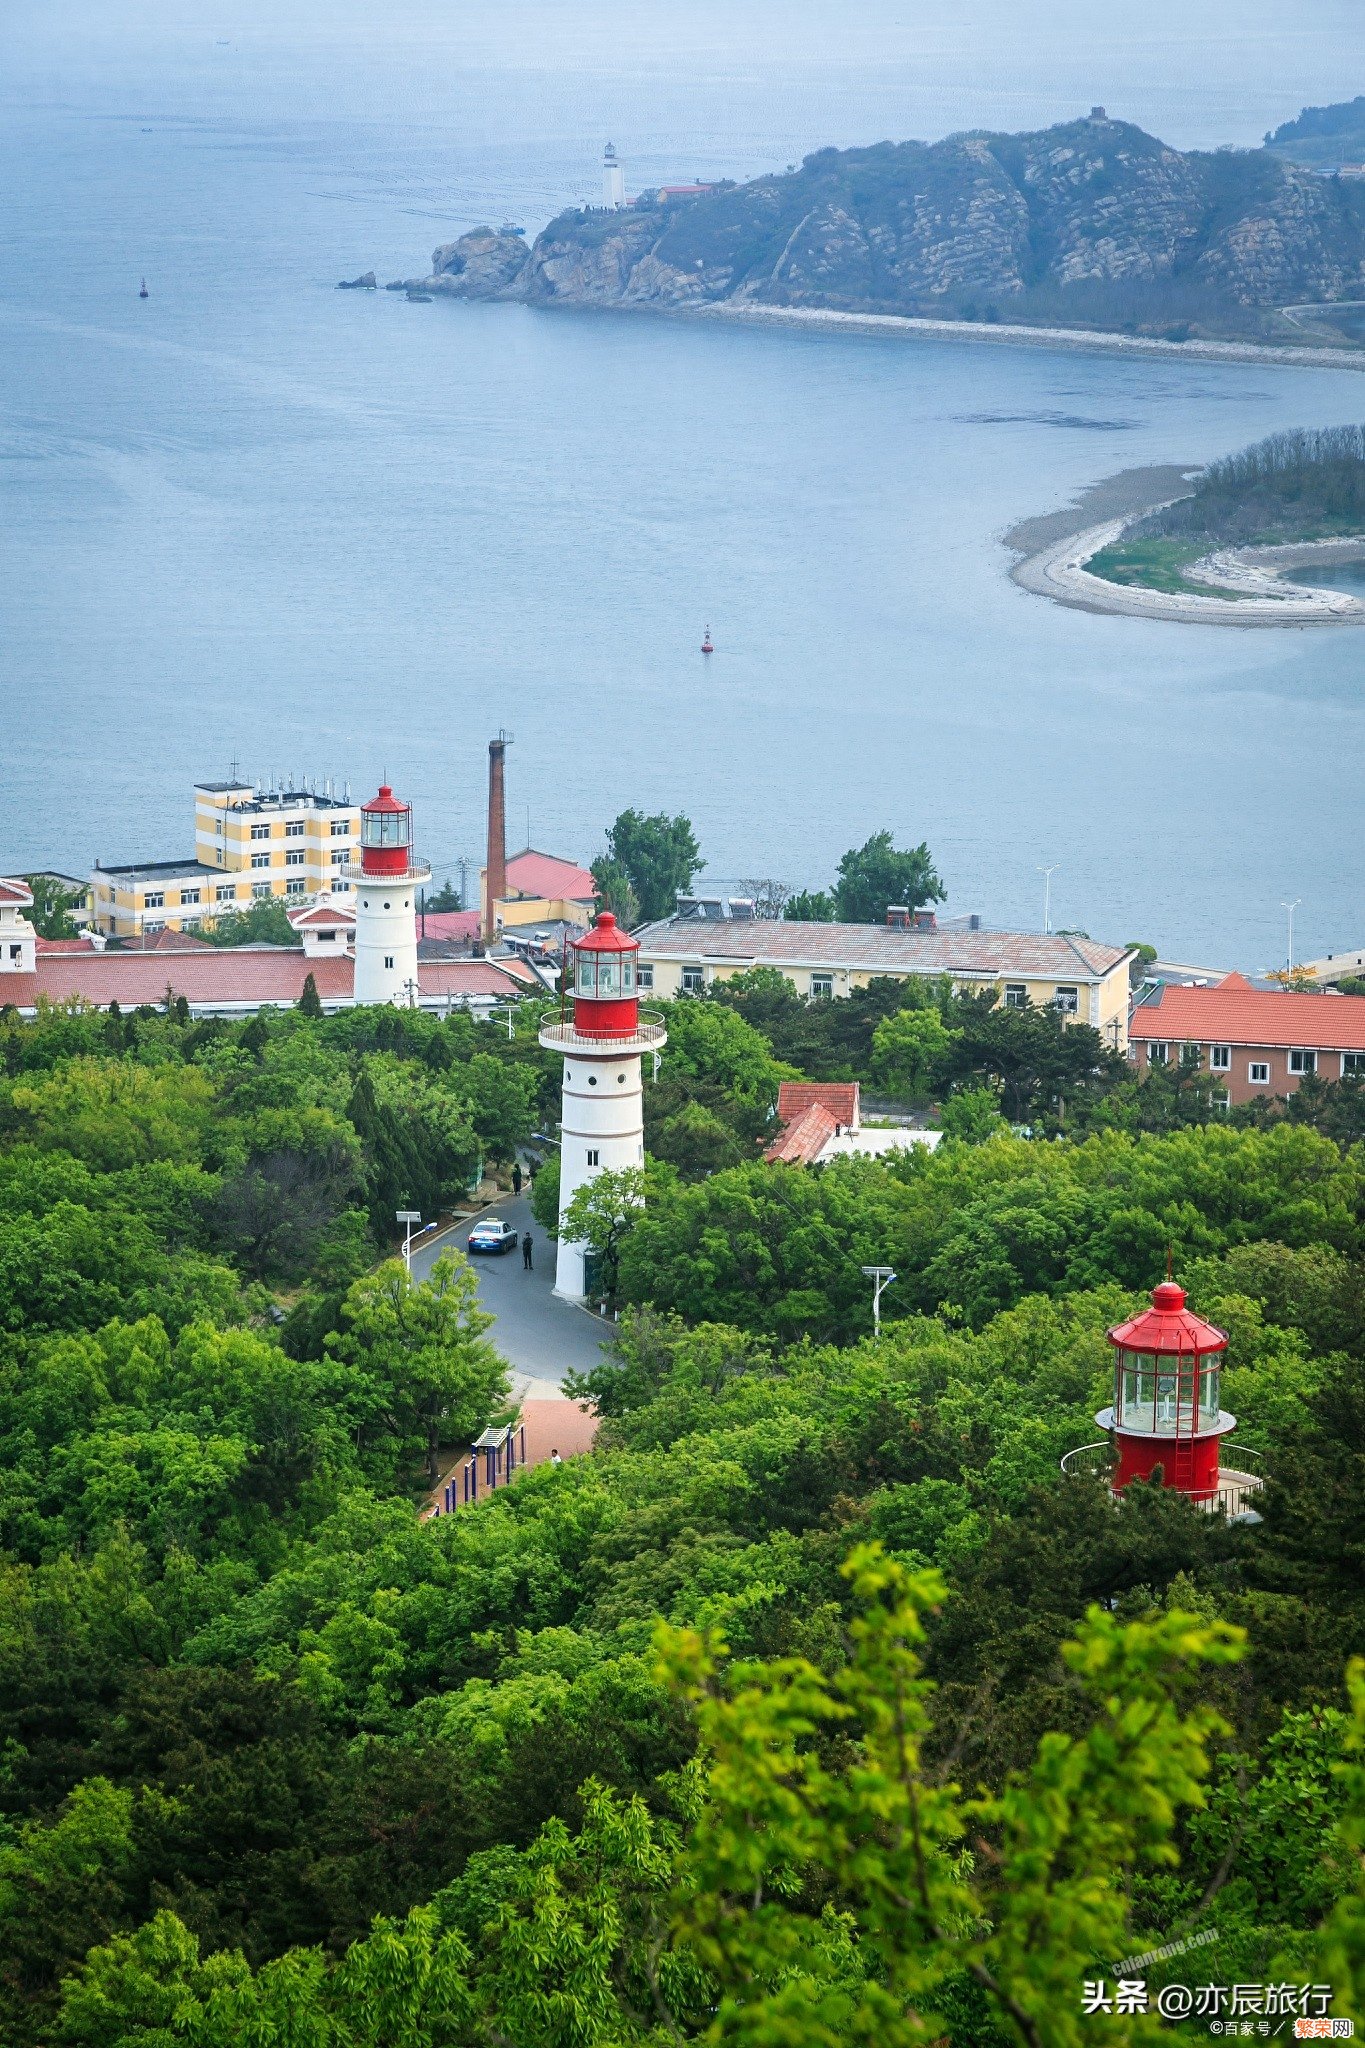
{"x":1228,"y":546}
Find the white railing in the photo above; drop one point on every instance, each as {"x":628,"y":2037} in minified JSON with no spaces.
{"x":1089,"y":1459}
{"x":649,"y":1031}
{"x":1235,"y":1493}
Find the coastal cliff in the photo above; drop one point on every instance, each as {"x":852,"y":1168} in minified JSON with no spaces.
{"x":1093,"y":223}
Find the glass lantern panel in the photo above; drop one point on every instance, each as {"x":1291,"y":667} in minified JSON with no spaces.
{"x":384,"y":828}
{"x":609,"y":974}
{"x":627,"y":974}
{"x":585,"y":979}
{"x":1209,"y":1392}
{"x":1137,"y":1389}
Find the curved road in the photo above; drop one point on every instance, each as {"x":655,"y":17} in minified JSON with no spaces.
{"x":540,"y":1336}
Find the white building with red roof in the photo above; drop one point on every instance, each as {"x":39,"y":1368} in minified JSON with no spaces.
{"x":18,"y":940}
{"x":1252,"y":1041}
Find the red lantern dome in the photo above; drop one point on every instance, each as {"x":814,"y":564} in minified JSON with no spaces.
{"x":1167,"y":1368}
{"x":385,"y":834}
{"x":606,"y":1001}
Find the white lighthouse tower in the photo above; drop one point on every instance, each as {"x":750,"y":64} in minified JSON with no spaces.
{"x":602,"y":1119}
{"x":386,"y":884}
{"x":613,"y":180}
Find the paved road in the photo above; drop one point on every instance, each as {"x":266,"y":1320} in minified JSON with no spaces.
{"x":540,"y":1336}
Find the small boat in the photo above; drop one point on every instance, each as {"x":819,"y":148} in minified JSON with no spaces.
{"x":143,"y":293}
{"x":706,"y":646}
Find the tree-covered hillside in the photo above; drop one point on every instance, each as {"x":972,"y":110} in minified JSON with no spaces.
{"x":814,"y":1707}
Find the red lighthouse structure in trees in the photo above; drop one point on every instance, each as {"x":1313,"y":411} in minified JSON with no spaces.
{"x":602,"y":1122}
{"x":1167,"y":1373}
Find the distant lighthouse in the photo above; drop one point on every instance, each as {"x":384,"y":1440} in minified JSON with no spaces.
{"x":602,"y":1118}
{"x":386,"y":884}
{"x":613,"y":180}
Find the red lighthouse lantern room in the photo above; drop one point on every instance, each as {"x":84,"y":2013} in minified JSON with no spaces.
{"x":1167,"y":1369}
{"x":606,"y":1002}
{"x":385,"y":834}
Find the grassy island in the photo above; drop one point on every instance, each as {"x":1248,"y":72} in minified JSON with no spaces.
{"x":1292,"y":489}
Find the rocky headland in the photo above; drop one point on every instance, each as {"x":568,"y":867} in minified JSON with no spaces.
{"x":1094,"y":226}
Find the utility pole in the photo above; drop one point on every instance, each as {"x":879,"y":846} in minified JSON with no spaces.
{"x":882,"y":1277}
{"x":1290,"y":908}
{"x":1047,"y":874}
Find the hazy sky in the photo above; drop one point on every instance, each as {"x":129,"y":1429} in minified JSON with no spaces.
{"x":1200,"y":71}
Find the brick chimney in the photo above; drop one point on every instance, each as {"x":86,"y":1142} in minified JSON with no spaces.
{"x":496,"y":871}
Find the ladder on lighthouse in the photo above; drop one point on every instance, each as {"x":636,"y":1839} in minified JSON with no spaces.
{"x":1182,"y":1465}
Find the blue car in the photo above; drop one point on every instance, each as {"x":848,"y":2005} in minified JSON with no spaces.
{"x":492,"y":1237}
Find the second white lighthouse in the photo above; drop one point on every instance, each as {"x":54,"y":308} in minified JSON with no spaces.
{"x":386,"y":884}
{"x":602,"y":1119}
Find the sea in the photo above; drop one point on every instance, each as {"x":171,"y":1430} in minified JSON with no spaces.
{"x":255,"y":524}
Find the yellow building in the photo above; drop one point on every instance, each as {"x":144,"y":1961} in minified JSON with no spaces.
{"x":710,"y":939}
{"x":540,"y":889}
{"x":250,"y":845}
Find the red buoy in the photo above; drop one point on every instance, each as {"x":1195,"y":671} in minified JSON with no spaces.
{"x":706,"y":646}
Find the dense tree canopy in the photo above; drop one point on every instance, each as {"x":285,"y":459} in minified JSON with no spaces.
{"x":816,"y":1706}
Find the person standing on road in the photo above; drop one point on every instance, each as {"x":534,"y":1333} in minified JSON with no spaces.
{"x":526,"y":1253}
{"x":516,"y":1177}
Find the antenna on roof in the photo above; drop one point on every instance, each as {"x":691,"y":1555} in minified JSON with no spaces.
{"x":1170,"y":1263}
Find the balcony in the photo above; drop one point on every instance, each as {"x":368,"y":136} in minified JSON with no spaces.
{"x":1237,"y":1487}
{"x":649,"y":1035}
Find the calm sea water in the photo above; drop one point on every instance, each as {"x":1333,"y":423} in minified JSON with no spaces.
{"x":333,"y":534}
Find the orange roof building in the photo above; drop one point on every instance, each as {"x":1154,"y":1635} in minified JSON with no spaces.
{"x":1252,"y":1041}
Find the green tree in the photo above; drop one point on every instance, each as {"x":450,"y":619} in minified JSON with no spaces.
{"x":600,"y":1217}
{"x":447,"y":897}
{"x":910,"y":1051}
{"x":657,"y":855}
{"x":421,"y":1369}
{"x":810,"y":906}
{"x":972,"y":1115}
{"x":266,"y":921}
{"x":876,"y":874}
{"x":545,"y":1194}
{"x":310,"y":1002}
{"x":52,"y":907}
{"x":616,"y":891}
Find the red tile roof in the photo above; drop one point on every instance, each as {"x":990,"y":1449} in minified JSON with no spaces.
{"x":449,"y":924}
{"x":1234,"y":1013}
{"x":63,"y":945}
{"x":237,"y":975}
{"x":840,"y":1098}
{"x":13,"y":891}
{"x":802,"y":1142}
{"x":543,"y":874}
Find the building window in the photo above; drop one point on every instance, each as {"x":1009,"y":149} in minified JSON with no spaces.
{"x":1352,"y":1063}
{"x":644,"y":976}
{"x":691,"y":981}
{"x":294,"y":830}
{"x":225,"y":892}
{"x":388,"y":959}
{"x":1220,"y":1058}
{"x":260,"y":860}
{"x":260,"y":831}
{"x":295,"y":860}
{"x":1068,"y":1001}
{"x":341,"y":888}
{"x":188,"y":896}
{"x":155,"y":924}
{"x":821,"y":987}
{"x":340,"y":828}
{"x":1258,"y":1072}
{"x":594,"y":1158}
{"x":154,"y":899}
{"x":1158,"y":1052}
{"x":294,"y":888}
{"x":259,"y":891}
{"x":340,"y":857}
{"x":1016,"y":995}
{"x":1303,"y":1062}
{"x":1220,"y":1098}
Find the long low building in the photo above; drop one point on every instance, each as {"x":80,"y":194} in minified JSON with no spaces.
{"x":1084,"y":979}
{"x":229,"y":981}
{"x":1252,"y":1041}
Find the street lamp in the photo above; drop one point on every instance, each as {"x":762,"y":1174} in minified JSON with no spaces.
{"x":1047,"y":874}
{"x":408,"y":1217}
{"x":884,"y":1276}
{"x":1290,"y":908}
